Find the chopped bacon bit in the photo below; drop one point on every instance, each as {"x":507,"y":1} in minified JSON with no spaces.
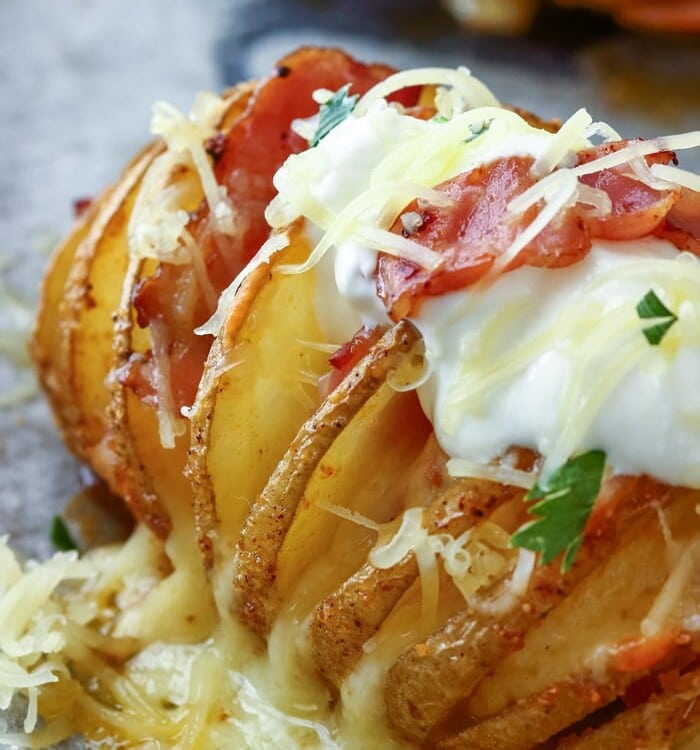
{"x":137,"y":375}
{"x":421,"y":112}
{"x":682,"y":223}
{"x":665,"y":682}
{"x":471,"y":232}
{"x":434,"y":475}
{"x":81,"y":206}
{"x":638,"y":654}
{"x":477,"y":226}
{"x":670,"y":681}
{"x":344,"y":359}
{"x":215,"y":146}
{"x":637,"y":209}
{"x":551,"y":126}
{"x":587,"y":155}
{"x":683,"y":240}
{"x":408,"y":98}
{"x":245,"y":161}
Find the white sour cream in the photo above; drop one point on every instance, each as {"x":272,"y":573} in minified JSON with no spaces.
{"x":549,"y":359}
{"x":556,"y":361}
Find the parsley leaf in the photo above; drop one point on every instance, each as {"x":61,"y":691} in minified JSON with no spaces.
{"x":333,"y":112}
{"x":60,"y":536}
{"x":563,"y":509}
{"x":650,"y":306}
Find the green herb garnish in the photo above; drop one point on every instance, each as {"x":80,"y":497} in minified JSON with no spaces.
{"x":60,"y":536}
{"x":333,"y":112}
{"x":651,"y":306}
{"x":565,"y":504}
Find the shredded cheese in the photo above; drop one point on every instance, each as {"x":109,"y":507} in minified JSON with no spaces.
{"x":570,"y":137}
{"x":473,"y":91}
{"x":473,"y":560}
{"x":498,"y":472}
{"x":275,"y":243}
{"x":676,"y":176}
{"x":33,"y":626}
{"x":185,"y":135}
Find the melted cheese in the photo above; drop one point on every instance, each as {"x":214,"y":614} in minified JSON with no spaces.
{"x":474,"y":560}
{"x":223,"y":691}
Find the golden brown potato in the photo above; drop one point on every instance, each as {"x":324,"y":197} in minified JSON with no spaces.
{"x":237,"y":441}
{"x":45,"y":343}
{"x":272,"y":513}
{"x":150,"y":477}
{"x":351,"y":615}
{"x":72,"y":341}
{"x":449,"y":665}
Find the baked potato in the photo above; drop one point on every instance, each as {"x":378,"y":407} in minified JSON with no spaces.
{"x":504,"y":302}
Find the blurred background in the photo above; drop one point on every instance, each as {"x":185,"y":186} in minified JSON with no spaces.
{"x":78,"y":77}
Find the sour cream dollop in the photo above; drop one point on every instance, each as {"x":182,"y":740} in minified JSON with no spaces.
{"x":555,"y":360}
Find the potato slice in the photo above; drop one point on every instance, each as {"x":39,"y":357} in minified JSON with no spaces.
{"x":573,"y":663}
{"x":273,"y":511}
{"x":530,"y":722}
{"x":533,"y":720}
{"x":363,"y":472}
{"x":603,"y":610}
{"x":655,"y":723}
{"x":148,"y":476}
{"x":260,"y":384}
{"x":93,"y":290}
{"x":45,"y":344}
{"x":433,"y":676}
{"x":353,"y":613}
{"x":72,"y":336}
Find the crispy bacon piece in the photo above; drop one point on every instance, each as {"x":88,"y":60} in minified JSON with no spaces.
{"x":682,"y":223}
{"x":81,"y":206}
{"x":350,"y":353}
{"x":477,"y":227}
{"x":471,"y":232}
{"x":637,"y":209}
{"x":246,"y":160}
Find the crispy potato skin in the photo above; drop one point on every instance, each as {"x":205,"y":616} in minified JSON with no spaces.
{"x":427,"y":680}
{"x":531,"y":722}
{"x":272,"y":513}
{"x":44,"y":345}
{"x":350,"y":616}
{"x":62,"y":338}
{"x":197,"y":468}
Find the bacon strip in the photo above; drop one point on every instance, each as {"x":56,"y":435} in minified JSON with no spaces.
{"x":477,"y":227}
{"x":245,"y":162}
